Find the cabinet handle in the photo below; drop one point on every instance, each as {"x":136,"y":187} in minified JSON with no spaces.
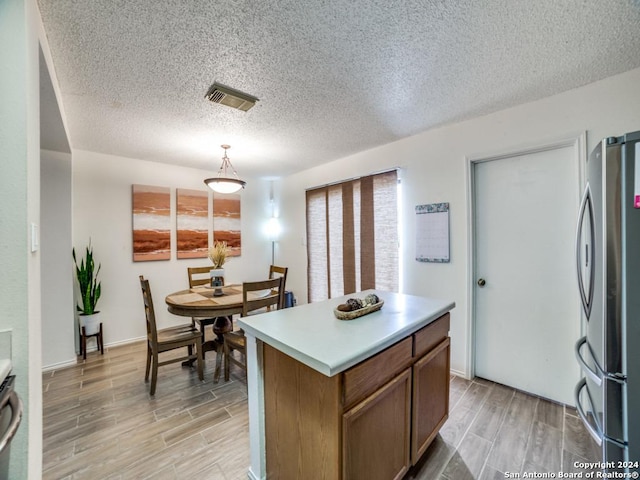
{"x":593,"y":431}
{"x":592,"y":374}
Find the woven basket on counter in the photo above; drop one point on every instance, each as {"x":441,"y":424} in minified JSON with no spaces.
{"x":351,"y":314}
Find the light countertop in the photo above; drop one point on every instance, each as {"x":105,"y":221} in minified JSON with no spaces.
{"x":314,"y":336}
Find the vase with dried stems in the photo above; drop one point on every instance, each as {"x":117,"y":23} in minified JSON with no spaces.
{"x":218,"y":255}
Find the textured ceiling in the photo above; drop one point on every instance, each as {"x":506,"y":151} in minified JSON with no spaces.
{"x":334,"y":77}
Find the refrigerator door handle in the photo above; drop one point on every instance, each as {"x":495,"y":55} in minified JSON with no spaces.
{"x":593,"y":431}
{"x":585,"y":206}
{"x":592,"y":374}
{"x":14,"y":402}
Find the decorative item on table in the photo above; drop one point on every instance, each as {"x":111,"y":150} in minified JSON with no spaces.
{"x":356,"y":307}
{"x":90,"y":290}
{"x":218,"y":255}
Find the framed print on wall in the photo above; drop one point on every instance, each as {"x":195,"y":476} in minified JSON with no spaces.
{"x":432,"y":233}
{"x":151,"y":225}
{"x":192,"y":223}
{"x":226,"y":221}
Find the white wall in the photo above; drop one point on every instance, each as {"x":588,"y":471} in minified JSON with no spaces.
{"x":434,"y":169}
{"x":102,"y":212}
{"x":19,"y":207}
{"x":58,"y":327}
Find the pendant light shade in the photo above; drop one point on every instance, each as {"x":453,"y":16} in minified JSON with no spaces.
{"x":223,"y":182}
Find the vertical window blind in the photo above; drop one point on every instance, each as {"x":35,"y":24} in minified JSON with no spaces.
{"x":352,"y":237}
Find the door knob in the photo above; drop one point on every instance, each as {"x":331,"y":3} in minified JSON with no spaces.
{"x":481,"y":282}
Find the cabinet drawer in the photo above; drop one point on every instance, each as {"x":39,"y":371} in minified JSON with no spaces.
{"x":431,"y":335}
{"x":363,"y":379}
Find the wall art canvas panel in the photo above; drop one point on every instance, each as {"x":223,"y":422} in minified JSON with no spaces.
{"x":192,"y":223}
{"x":226,"y":221}
{"x":151,"y":208}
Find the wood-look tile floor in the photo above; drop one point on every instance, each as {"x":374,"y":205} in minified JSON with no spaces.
{"x":101,"y":423}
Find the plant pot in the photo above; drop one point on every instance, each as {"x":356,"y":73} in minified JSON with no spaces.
{"x":91,"y":323}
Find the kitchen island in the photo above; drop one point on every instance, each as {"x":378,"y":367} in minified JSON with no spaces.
{"x":346,"y":399}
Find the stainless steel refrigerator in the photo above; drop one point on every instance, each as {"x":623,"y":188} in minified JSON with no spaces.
{"x":608,"y":267}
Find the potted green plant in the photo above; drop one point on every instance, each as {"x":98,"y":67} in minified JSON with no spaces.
{"x":87,"y":277}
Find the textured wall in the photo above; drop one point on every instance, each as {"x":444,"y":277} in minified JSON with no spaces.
{"x":17,"y":133}
{"x":58,"y":328}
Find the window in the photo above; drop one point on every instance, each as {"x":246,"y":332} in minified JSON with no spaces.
{"x":352,"y":236}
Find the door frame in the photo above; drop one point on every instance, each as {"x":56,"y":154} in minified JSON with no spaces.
{"x":579,"y":144}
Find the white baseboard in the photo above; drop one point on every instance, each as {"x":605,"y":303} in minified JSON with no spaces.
{"x":125,"y":342}
{"x":59,"y":365}
{"x":460,"y":373}
{"x":74,"y":361}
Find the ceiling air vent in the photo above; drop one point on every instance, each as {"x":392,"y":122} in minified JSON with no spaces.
{"x":230,"y":97}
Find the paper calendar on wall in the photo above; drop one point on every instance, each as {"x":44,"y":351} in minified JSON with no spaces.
{"x":432,"y":233}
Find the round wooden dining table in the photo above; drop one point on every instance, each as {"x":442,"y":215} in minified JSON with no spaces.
{"x":205,"y":308}
{"x":201,"y":302}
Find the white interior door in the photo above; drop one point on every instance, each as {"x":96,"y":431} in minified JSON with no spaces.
{"x":526,"y":314}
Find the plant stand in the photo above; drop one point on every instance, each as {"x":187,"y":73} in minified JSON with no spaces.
{"x":83,"y":341}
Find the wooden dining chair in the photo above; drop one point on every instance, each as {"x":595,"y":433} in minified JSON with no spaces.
{"x":159,"y":341}
{"x":257,"y":297}
{"x":200,"y":276}
{"x":276,"y":271}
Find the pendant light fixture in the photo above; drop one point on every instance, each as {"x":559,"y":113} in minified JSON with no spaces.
{"x":223,"y":182}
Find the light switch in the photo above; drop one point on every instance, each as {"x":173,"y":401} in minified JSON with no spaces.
{"x":35,"y":237}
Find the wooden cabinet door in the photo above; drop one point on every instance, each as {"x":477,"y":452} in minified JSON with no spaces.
{"x":302,"y":419}
{"x":430,"y":397}
{"x":376,"y":433}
